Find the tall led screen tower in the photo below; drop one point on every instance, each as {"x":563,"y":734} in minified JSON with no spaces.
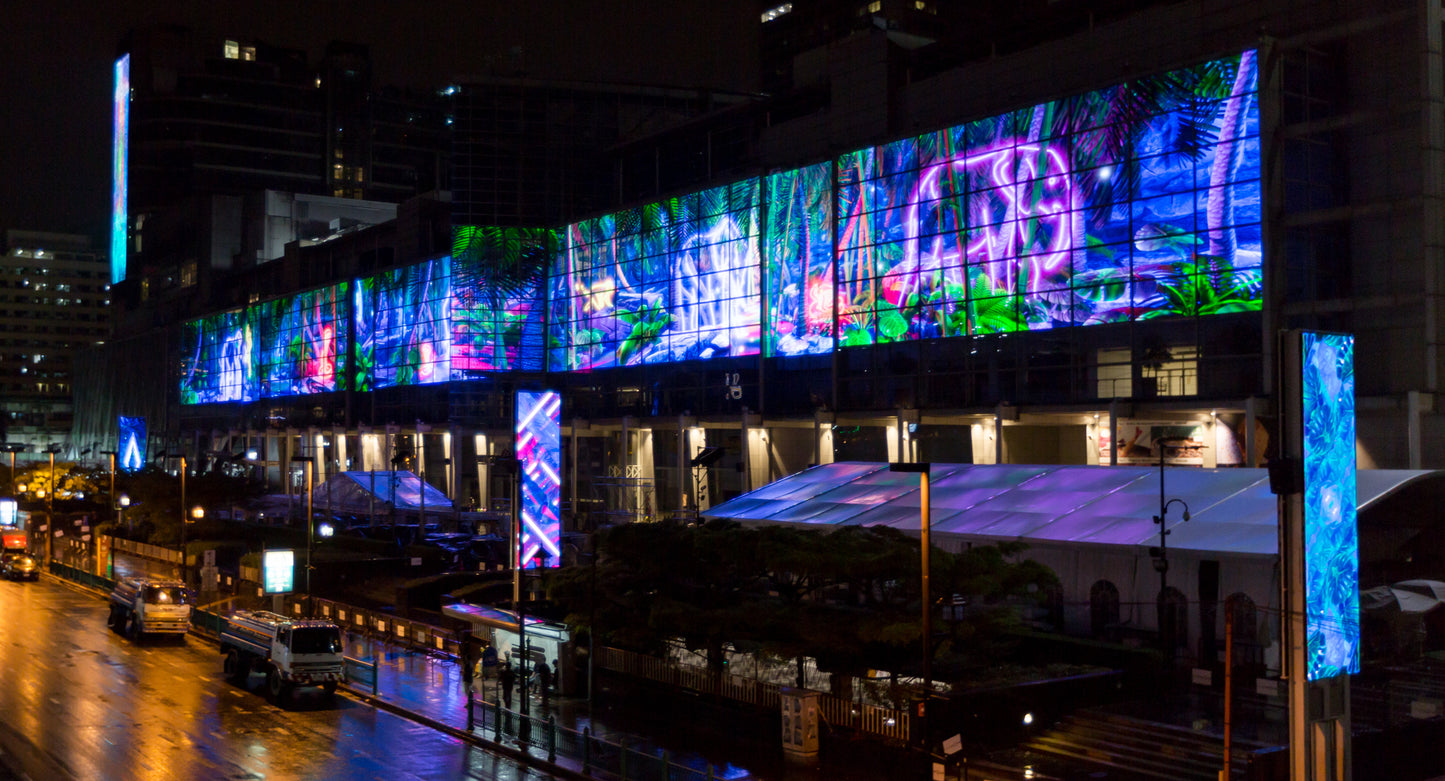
{"x":1331,"y":540}
{"x":119,"y":170}
{"x":539,"y":453}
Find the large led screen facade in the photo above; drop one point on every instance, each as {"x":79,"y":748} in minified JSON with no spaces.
{"x":669,"y":281}
{"x":119,"y":167}
{"x":497,"y":309}
{"x":1331,"y":538}
{"x":1128,"y":203}
{"x":1125,"y":204}
{"x":218,"y":362}
{"x":403,"y":326}
{"x":302,"y":343}
{"x":539,"y":456}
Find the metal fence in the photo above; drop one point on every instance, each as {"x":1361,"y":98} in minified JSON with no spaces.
{"x":81,"y":576}
{"x":599,"y":757}
{"x":145,"y":551}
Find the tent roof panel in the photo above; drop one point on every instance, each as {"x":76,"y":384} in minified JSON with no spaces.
{"x":1231,"y":510}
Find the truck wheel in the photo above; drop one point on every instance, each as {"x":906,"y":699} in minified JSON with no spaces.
{"x":234,"y":668}
{"x":132,"y":626}
{"x":277,"y":687}
{"x":330,"y":688}
{"x":110,"y":620}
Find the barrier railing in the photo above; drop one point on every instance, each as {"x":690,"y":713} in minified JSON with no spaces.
{"x":145,"y":551}
{"x":599,"y":757}
{"x":81,"y":576}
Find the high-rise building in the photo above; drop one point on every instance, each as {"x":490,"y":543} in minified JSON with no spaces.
{"x":54,"y":301}
{"x":215,"y":120}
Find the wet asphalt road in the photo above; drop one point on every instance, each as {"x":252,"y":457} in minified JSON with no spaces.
{"x":78,"y":700}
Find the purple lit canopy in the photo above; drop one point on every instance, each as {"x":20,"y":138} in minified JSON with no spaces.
{"x":1231,"y":510}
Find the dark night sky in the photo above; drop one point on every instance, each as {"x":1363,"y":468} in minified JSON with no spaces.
{"x":56,"y":84}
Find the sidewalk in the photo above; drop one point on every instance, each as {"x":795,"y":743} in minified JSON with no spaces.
{"x":431,"y":686}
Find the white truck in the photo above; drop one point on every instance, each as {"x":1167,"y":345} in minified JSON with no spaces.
{"x":289,"y":652}
{"x":142,"y":606}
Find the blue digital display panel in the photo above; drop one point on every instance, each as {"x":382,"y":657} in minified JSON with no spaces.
{"x":131,"y":455}
{"x":669,"y":281}
{"x":798,"y":255}
{"x":497,"y":308}
{"x":403,"y":326}
{"x":1331,"y":541}
{"x":539,"y":454}
{"x":219,"y":358}
{"x":301,"y":344}
{"x":1133,"y":202}
{"x":119,"y":169}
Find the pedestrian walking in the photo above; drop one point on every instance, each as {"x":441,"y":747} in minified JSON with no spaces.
{"x":544,"y":681}
{"x":506,"y":678}
{"x":466,"y":663}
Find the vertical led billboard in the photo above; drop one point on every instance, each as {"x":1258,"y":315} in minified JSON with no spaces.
{"x":539,"y":454}
{"x":403,"y":326}
{"x":670,"y":281}
{"x":798,"y":253}
{"x":119,"y":149}
{"x":301,"y":343}
{"x":219,"y":359}
{"x":1137,"y":201}
{"x":131,"y":455}
{"x":1331,"y":541}
{"x":497,"y":309}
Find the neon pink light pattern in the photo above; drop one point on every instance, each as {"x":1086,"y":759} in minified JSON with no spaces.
{"x":539,"y":454}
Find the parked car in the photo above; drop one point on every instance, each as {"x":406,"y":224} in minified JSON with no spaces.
{"x":19,"y":566}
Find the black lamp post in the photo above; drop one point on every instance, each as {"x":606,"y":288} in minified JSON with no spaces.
{"x":306,"y":465}
{"x":1161,"y":561}
{"x":924,"y":524}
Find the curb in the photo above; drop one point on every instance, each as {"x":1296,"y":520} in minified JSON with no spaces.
{"x":522,"y":757}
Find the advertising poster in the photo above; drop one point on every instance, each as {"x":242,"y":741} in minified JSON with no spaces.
{"x":1140,"y":442}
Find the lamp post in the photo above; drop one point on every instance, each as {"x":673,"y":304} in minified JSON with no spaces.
{"x":1161,"y":561}
{"x":306,"y":465}
{"x":185,"y":574}
{"x":924,"y":524}
{"x":51,"y":450}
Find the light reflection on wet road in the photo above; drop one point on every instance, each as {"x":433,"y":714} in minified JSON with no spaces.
{"x":105,"y":708}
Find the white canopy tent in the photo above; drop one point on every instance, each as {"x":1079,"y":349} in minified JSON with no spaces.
{"x":1089,"y":523}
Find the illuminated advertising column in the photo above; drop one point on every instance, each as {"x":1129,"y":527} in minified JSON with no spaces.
{"x":119,"y":220}
{"x":539,"y":455}
{"x":1320,"y":549}
{"x":132,"y":443}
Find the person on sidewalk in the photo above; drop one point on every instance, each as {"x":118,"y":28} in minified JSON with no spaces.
{"x":544,"y":681}
{"x":506,"y":678}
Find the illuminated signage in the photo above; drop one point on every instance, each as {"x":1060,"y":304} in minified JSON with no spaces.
{"x":278,"y":571}
{"x":1331,"y":539}
{"x":9,"y":512}
{"x":119,"y":219}
{"x":539,"y":453}
{"x":132,"y":443}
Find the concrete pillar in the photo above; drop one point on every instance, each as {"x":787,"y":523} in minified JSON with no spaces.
{"x":1251,"y":416}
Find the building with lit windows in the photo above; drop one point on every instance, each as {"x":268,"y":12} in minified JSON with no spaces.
{"x":54,"y":302}
{"x":1075,"y":248}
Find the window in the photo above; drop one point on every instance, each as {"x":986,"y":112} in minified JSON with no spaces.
{"x":1175,"y":372}
{"x":232,"y":50}
{"x":875,"y":6}
{"x":1115,"y":374}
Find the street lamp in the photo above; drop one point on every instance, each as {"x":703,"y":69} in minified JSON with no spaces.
{"x":121,"y":502}
{"x":1161,"y":561}
{"x":924,"y":524}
